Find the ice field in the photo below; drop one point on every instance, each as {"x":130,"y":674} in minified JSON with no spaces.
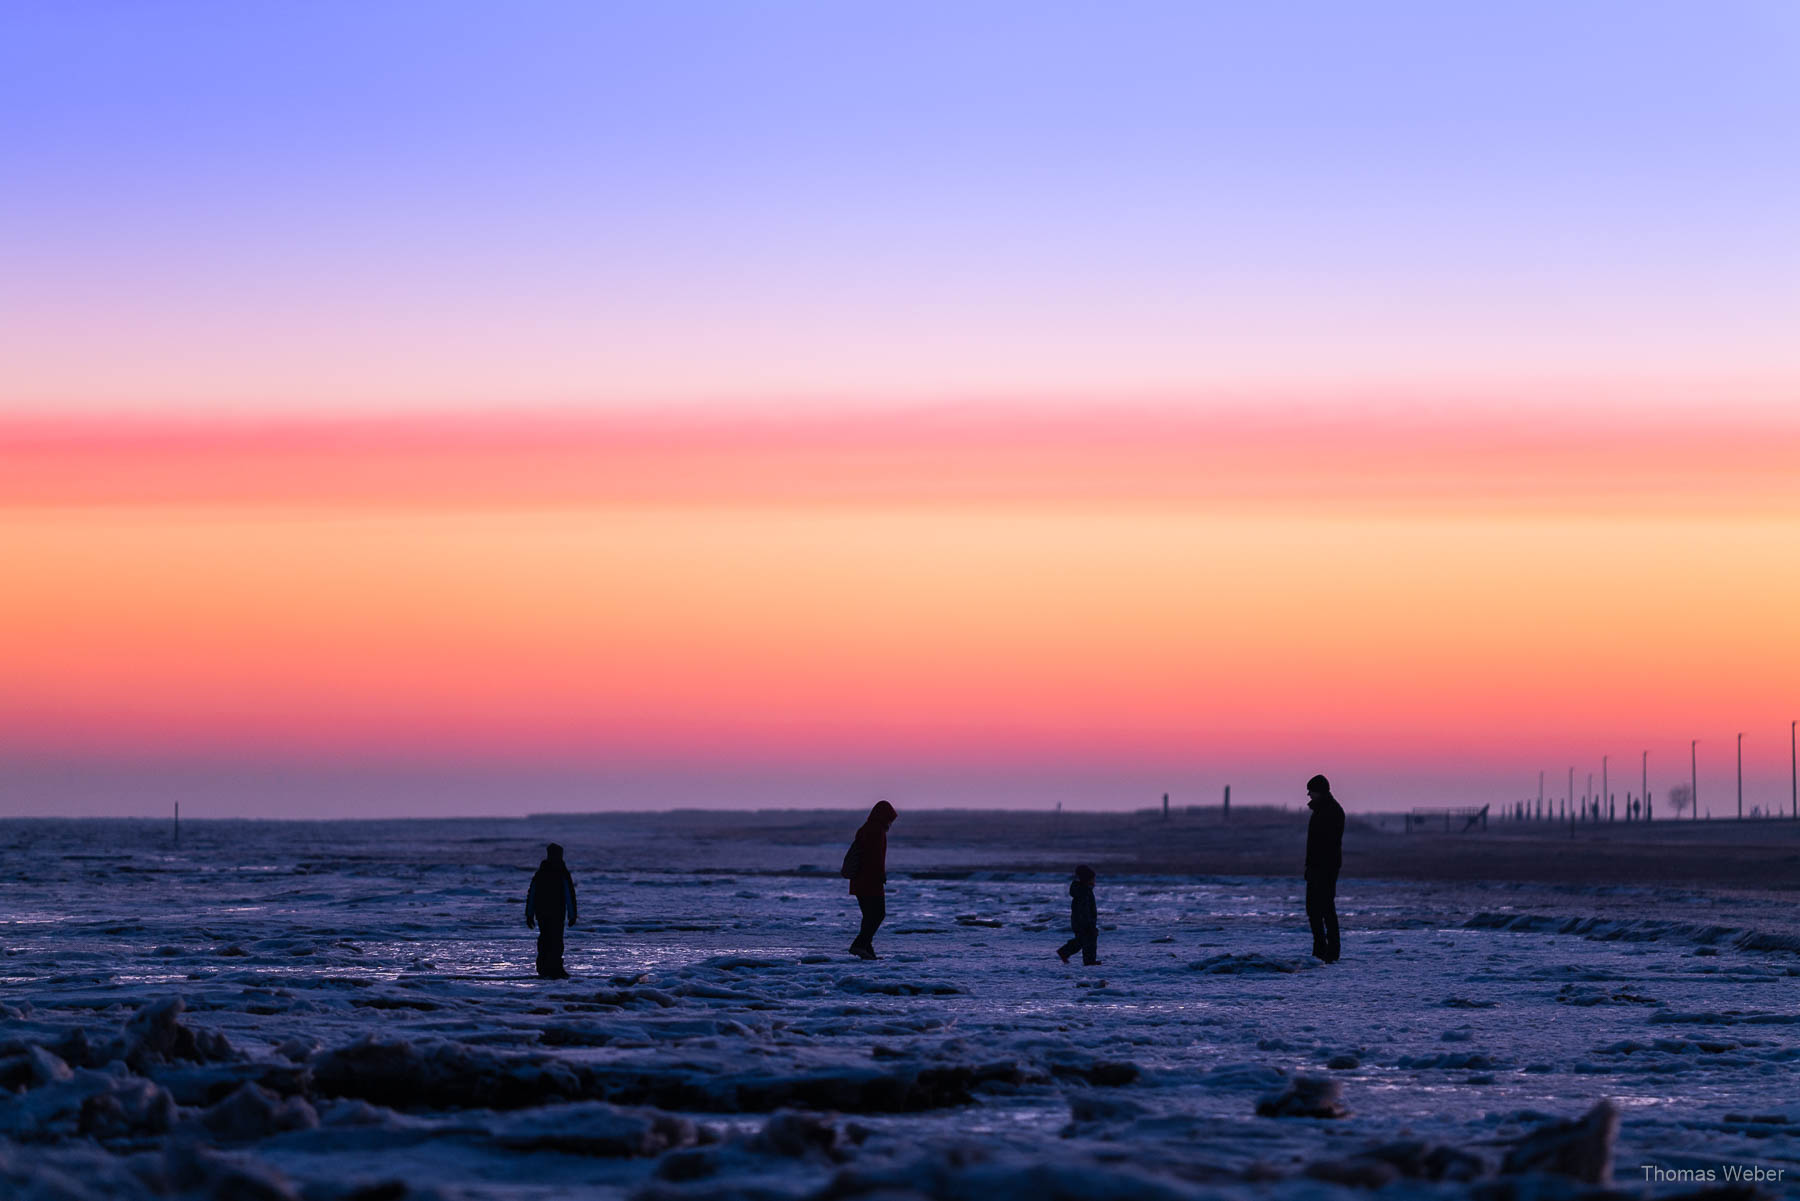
{"x":346,"y":1010}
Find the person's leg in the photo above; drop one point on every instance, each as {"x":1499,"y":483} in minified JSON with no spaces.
{"x":1315,"y":915}
{"x":874,"y":913}
{"x":549,"y":950}
{"x":874,"y":909}
{"x":1069,"y":948}
{"x":1090,"y":946}
{"x":1331,"y":918}
{"x":555,"y":952}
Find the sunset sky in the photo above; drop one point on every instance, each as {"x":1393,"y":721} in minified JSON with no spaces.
{"x":424,"y":409}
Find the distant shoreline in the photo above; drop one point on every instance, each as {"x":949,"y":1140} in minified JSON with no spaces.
{"x":1761,"y":855}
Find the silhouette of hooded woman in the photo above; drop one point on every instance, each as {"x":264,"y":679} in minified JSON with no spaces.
{"x":868,"y":879}
{"x":1084,"y":918}
{"x":552,"y":896}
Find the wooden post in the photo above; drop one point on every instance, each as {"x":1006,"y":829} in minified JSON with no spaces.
{"x":1694,"y":775}
{"x":1225,"y":810}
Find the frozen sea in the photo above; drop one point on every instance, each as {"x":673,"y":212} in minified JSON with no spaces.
{"x":346,"y":1010}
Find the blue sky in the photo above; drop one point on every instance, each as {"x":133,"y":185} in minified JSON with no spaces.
{"x":298,"y":205}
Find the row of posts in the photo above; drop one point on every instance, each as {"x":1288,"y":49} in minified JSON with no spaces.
{"x":1602,"y":806}
{"x":1588,"y":808}
{"x":1224,"y":809}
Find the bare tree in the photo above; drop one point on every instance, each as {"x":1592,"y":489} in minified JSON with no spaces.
{"x":1680,"y":798}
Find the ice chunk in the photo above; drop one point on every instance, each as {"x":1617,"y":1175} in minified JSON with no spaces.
{"x":204,"y":1172}
{"x":1582,"y":1148}
{"x":595,"y":1128}
{"x":31,"y":1067}
{"x":1246,"y":962}
{"x":801,"y":1136}
{"x":844,"y":1088}
{"x":155,"y":1034}
{"x":209,"y":1084}
{"x":132,"y":1106}
{"x":100,"y":1104}
{"x":1306,"y":1097}
{"x":439,"y":1075}
{"x":253,"y":1112}
{"x":1468,"y":1060}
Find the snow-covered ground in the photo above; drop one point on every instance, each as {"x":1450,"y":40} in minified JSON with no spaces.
{"x":346,"y":1010}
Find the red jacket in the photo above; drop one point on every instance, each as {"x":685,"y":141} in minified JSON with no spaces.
{"x":871,"y":865}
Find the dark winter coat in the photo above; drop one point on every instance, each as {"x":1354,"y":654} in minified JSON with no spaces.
{"x":1084,"y":915}
{"x":552,"y":895}
{"x":1324,"y":836}
{"x":870,"y":879}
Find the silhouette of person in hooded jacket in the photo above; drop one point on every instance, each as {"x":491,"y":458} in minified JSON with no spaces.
{"x":1084,"y":919}
{"x":867,"y":867}
{"x":552,"y":895}
{"x":1324,"y":857}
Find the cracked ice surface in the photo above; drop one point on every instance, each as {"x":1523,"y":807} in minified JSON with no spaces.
{"x":311,"y":1010}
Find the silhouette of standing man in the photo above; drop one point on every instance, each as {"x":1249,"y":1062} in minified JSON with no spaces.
{"x":1324,"y":856}
{"x":552,"y":895}
{"x":866,"y":867}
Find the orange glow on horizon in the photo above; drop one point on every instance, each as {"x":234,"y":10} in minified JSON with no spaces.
{"x":1244,"y":460}
{"x":1079,"y":631}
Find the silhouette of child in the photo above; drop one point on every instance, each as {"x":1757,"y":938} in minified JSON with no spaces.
{"x":1084,"y":918}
